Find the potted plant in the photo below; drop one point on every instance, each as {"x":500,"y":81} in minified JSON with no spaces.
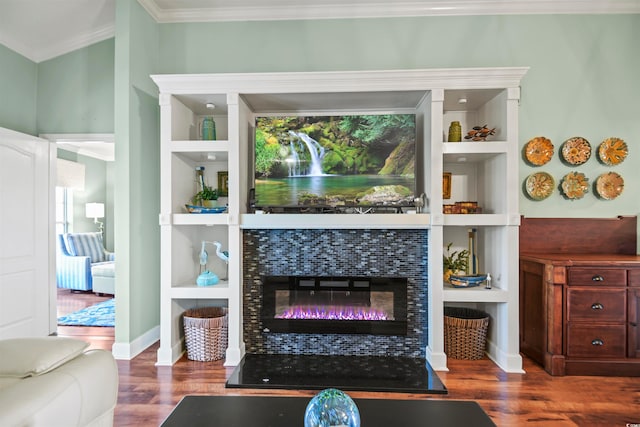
{"x":454,"y":262}
{"x":206,"y":197}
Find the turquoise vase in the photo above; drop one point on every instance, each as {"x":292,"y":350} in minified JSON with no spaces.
{"x":331,"y":407}
{"x":208,"y":129}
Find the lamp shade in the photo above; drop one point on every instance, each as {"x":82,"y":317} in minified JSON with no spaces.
{"x":94,"y":210}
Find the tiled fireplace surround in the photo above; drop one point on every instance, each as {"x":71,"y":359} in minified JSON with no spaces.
{"x":336,"y":252}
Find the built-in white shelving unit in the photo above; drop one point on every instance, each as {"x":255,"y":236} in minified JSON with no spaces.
{"x":485,"y":172}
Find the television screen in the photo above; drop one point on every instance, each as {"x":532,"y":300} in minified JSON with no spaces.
{"x":348,"y":160}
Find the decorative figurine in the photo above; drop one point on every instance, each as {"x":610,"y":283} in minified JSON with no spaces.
{"x":480,"y":133}
{"x":206,"y":277}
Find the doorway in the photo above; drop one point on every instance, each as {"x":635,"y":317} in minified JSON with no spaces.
{"x":84,"y":165}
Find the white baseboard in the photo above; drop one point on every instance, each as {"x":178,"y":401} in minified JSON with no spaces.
{"x":127,"y":351}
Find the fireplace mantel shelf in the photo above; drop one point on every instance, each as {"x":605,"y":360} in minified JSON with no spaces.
{"x":355,"y":221}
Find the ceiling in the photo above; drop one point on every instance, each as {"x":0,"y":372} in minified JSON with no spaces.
{"x":43,"y":29}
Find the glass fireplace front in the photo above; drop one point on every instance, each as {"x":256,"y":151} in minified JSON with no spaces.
{"x":346,"y":305}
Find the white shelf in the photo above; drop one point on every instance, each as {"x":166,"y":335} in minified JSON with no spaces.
{"x":199,"y":146}
{"x":192,"y":291}
{"x":200,"y":219}
{"x":476,"y":219}
{"x":475,"y":294}
{"x":199,"y":151}
{"x":479,"y":147}
{"x":343,"y":221}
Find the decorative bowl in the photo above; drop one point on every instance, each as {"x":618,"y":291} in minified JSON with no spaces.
{"x":205,"y":210}
{"x":467,"y":281}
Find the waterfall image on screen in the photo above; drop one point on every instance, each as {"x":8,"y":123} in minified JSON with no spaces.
{"x":349,"y":160}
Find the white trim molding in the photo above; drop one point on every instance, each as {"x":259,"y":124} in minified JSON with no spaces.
{"x":320,"y":9}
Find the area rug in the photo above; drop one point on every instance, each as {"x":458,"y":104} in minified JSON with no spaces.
{"x":355,"y":373}
{"x":101,"y":314}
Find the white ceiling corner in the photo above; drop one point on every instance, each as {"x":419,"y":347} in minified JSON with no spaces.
{"x":43,"y":29}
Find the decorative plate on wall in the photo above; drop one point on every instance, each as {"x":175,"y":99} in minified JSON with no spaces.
{"x":609,"y":185}
{"x":575,"y":185}
{"x":612,"y":151}
{"x":576,"y":150}
{"x":538,"y":151}
{"x":539,"y":185}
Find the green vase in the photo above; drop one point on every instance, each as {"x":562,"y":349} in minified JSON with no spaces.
{"x":455,"y":132}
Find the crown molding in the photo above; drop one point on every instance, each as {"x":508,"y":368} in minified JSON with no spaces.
{"x":390,"y":9}
{"x":81,"y":40}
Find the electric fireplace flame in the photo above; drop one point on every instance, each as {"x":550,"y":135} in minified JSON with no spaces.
{"x":332,"y":313}
{"x":343,"y":305}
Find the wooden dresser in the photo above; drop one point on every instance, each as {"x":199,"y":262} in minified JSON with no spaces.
{"x":580,"y":295}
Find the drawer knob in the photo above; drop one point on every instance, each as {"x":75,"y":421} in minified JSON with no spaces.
{"x":597,"y":341}
{"x":597,"y":278}
{"x":597,"y":306}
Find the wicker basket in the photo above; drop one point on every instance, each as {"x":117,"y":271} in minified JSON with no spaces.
{"x":205,"y":331}
{"x":465,"y":333}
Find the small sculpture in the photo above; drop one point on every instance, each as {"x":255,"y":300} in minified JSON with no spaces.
{"x":206,"y":277}
{"x":223,"y":255}
{"x":479,"y":133}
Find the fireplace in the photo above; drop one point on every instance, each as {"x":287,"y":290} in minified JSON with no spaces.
{"x":335,"y":253}
{"x":341,"y":305}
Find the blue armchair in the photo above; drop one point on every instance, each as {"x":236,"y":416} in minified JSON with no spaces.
{"x":80,"y":258}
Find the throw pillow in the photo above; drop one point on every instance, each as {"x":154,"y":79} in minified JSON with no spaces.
{"x":28,"y":357}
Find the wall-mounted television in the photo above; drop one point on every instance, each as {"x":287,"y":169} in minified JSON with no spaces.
{"x":343,"y":161}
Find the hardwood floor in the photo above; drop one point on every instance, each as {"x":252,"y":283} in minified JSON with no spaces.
{"x":68,"y":302}
{"x":148,"y":393}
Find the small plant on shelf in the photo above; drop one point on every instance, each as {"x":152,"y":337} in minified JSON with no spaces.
{"x":202,"y":197}
{"x":454,"y":262}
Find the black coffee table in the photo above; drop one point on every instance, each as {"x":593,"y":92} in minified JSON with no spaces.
{"x":254,"y":411}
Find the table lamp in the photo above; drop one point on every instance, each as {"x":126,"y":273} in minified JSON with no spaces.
{"x":95,"y":211}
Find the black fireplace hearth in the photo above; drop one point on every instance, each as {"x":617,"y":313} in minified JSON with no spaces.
{"x":349,"y":373}
{"x":341,"y":305}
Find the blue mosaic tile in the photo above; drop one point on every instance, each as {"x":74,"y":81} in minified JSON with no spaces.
{"x":382,"y":253}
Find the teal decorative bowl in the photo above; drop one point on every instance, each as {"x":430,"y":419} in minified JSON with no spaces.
{"x":467,"y":281}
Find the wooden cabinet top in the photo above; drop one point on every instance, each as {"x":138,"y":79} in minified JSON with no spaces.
{"x":583,"y":260}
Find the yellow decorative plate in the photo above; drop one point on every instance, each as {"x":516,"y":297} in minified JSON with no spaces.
{"x":612,"y":151}
{"x":538,"y":151}
{"x":576,"y":150}
{"x":539,"y":185}
{"x":575,"y":185}
{"x":609,"y":185}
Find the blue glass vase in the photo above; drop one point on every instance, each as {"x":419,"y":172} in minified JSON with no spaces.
{"x":331,"y":407}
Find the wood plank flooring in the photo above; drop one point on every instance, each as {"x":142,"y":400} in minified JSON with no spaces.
{"x":148,"y":393}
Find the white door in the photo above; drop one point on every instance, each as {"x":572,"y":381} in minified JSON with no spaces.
{"x":25,"y":272}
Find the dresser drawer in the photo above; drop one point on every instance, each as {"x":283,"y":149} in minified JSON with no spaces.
{"x":596,"y":305}
{"x":596,"y":340}
{"x":597,"y":276}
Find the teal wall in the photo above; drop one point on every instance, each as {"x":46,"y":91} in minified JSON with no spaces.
{"x":137,"y":177}
{"x":76,"y":92}
{"x":18,"y":92}
{"x":582,"y":79}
